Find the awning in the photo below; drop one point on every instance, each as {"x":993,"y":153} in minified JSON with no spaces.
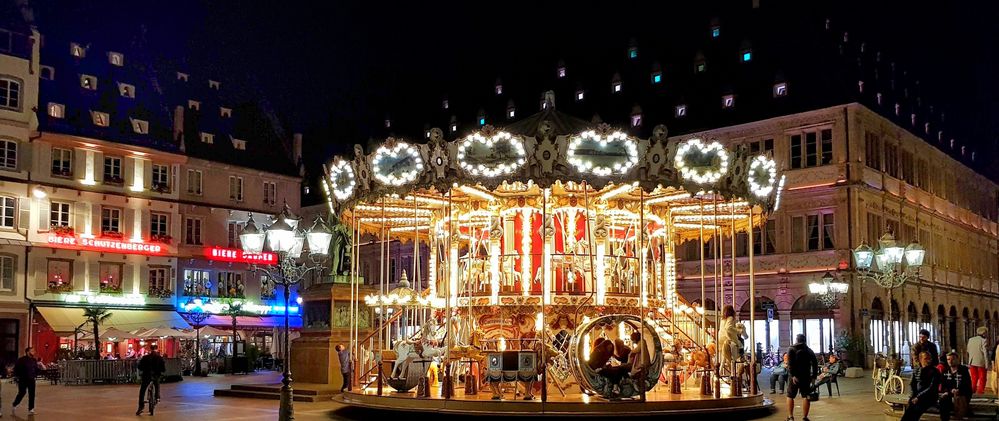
{"x":14,"y":242}
{"x":64,"y":319}
{"x":253,"y":322}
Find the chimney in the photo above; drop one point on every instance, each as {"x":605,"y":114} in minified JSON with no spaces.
{"x":296,"y":152}
{"x":178,"y":125}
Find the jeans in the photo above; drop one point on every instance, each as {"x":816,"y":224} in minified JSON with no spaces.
{"x":346,"y":381}
{"x":155,"y":380}
{"x":915,"y":412}
{"x":978,"y":378}
{"x":25,"y":385}
{"x":778,"y":380}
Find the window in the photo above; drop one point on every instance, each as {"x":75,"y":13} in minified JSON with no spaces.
{"x":267,"y":288}
{"x":728,"y":101}
{"x":657,"y":77}
{"x":236,"y":188}
{"x":60,"y":275}
{"x":110,"y":221}
{"x":116,"y":59}
{"x":8,"y":208}
{"x":192,"y":231}
{"x":159,"y":224}
{"x":76,"y":50}
{"x":8,"y":154}
{"x":715,"y":31}
{"x":112,"y":170}
{"x":100,"y":118}
{"x":140,"y":126}
{"x":747,"y":55}
{"x":62,"y":162}
{"x":828,"y":231}
{"x":797,"y":234}
{"x":444,"y":104}
{"x":56,"y":110}
{"x":110,"y":277}
{"x":616,"y":87}
{"x":239,"y":144}
{"x":765,"y":147}
{"x":230,"y":285}
{"x":234,"y":228}
{"x":561,"y":72}
{"x":872,"y":150}
{"x":10,"y":93}
{"x":158,"y":280}
{"x":680,"y":111}
{"x":765,"y":241}
{"x":126,"y":90}
{"x":161,"y":177}
{"x":580,"y":95}
{"x":780,"y":89}
{"x":812,"y":232}
{"x":182,"y":76}
{"x":194,"y":105}
{"x":636,"y":120}
{"x":905,"y":167}
{"x":196,"y":282}
{"x":88,"y":82}
{"x":891,"y":159}
{"x":700,"y":67}
{"x":194,"y":182}
{"x":270,"y":192}
{"x":874,"y":229}
{"x":214,"y":84}
{"x":207,"y":138}
{"x":7,"y":273}
{"x":225,"y":112}
{"x":499,"y":89}
{"x":59,"y":214}
{"x":817,"y":148}
{"x":47,"y":73}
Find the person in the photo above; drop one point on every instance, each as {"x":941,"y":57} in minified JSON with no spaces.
{"x":803,"y":368}
{"x":151,"y":367}
{"x":728,"y":337}
{"x":923,"y":388}
{"x":955,"y":387}
{"x":978,"y":360}
{"x":924,"y":344}
{"x":346,"y":366}
{"x":25,"y":370}
{"x":778,"y":376}
{"x":829,"y":371}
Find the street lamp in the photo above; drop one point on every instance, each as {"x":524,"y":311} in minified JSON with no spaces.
{"x":829,"y":292}
{"x":196,"y":316}
{"x":890,"y":266}
{"x":284,"y":239}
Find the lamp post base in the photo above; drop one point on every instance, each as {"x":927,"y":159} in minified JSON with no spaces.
{"x":287,"y":409}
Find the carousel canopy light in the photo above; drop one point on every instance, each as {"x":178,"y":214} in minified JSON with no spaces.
{"x":762,"y":176}
{"x":502,"y":146}
{"x":342,"y":179}
{"x":667,"y":198}
{"x":398,"y":165}
{"x":393,"y":209}
{"x":704,"y":172}
{"x":616,"y":147}
{"x":477,"y":192}
{"x":617,"y":191}
{"x":395,"y":220}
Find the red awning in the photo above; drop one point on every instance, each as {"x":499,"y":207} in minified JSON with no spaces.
{"x":253,"y":322}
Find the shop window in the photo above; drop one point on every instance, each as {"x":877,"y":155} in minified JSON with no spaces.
{"x":110,"y":278}
{"x":230,"y":285}
{"x":196,"y":283}
{"x":60,"y":275}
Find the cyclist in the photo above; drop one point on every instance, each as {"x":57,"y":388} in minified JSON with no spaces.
{"x":151,"y":367}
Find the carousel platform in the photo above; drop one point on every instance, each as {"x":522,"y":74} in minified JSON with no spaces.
{"x":688,"y":403}
{"x":303,"y":392}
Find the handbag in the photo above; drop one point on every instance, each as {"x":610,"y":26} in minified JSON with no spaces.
{"x":814,"y":396}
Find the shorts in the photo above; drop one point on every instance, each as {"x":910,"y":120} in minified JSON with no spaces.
{"x":800,"y":387}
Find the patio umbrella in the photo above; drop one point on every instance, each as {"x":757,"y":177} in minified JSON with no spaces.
{"x":214,"y":331}
{"x":161,"y":332}
{"x":113,"y":334}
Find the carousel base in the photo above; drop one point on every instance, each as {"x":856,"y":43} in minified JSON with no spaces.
{"x":658,"y":402}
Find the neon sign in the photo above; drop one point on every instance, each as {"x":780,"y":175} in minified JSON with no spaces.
{"x":237,"y":255}
{"x":101,"y":244}
{"x":216,"y":307}
{"x":121,"y":300}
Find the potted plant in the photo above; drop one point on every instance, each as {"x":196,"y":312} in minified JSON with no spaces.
{"x":852,"y":345}
{"x":63,"y":230}
{"x":113,"y":179}
{"x":110,"y":288}
{"x":161,"y":188}
{"x":161,"y":238}
{"x":112,"y":235}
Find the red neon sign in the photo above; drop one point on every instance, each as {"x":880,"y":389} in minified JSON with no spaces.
{"x":237,"y":255}
{"x":101,"y":244}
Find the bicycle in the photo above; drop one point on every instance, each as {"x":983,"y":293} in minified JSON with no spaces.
{"x":151,"y":397}
{"x":886,"y":378}
{"x":772,"y":359}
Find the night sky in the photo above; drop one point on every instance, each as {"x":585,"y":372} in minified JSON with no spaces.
{"x":336,"y":70}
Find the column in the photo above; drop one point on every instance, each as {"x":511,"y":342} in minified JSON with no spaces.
{"x":784,"y":326}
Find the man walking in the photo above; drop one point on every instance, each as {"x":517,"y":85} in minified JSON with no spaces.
{"x":978,"y":360}
{"x":25,"y":370}
{"x":151,"y":367}
{"x":803,"y":368}
{"x":346,"y":366}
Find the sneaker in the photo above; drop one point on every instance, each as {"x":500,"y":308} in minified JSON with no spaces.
{"x":772,"y":391}
{"x":31,"y":412}
{"x":805,"y":419}
{"x":139,"y":412}
{"x":790,"y":418}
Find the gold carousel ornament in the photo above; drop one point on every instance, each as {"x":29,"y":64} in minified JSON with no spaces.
{"x":551,"y":262}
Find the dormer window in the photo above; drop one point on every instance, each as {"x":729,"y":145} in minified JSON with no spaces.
{"x":444,"y":104}
{"x":140,"y":126}
{"x":860,"y":86}
{"x":126,"y":90}
{"x":207,"y":138}
{"x":100,"y":118}
{"x":728,"y":101}
{"x":912,"y":118}
{"x":482,"y":120}
{"x":47,"y":73}
{"x":926,"y":128}
{"x":116,"y":59}
{"x":747,"y":55}
{"x":194,"y":105}
{"x":580,"y":95}
{"x":616,"y":87}
{"x":657,"y":77}
{"x":680,"y":111}
{"x":182,"y":76}
{"x":561,"y":72}
{"x":700,"y":67}
{"x":225,"y":112}
{"x":898,"y":108}
{"x":388,"y":123}
{"x":214,"y":84}
{"x":636,"y":119}
{"x":56,"y":110}
{"x":499,"y":88}
{"x":239,"y":144}
{"x":76,"y":50}
{"x":780,"y":89}
{"x":511,"y":112}
{"x":715,"y":31}
{"x":426,"y":134}
{"x":878,"y":97}
{"x":454,"y":128}
{"x":88,"y":82}
{"x":633,"y":52}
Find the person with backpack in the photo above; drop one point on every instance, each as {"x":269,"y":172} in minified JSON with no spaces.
{"x":803,"y":368}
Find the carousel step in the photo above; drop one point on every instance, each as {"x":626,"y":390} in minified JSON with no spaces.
{"x":266,"y":388}
{"x":229,"y":393}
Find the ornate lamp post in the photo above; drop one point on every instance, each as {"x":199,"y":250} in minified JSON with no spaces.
{"x":196,"y":318}
{"x":829,"y":291}
{"x":287,"y":242}
{"x":895,"y":265}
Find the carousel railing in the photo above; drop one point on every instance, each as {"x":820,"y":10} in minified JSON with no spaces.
{"x":108,"y":371}
{"x":365,"y":372}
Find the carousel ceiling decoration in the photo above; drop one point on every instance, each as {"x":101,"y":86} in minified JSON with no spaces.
{"x":342,"y":180}
{"x":762,"y":176}
{"x":602,"y":155}
{"x":700,"y":162}
{"x":397,"y":165}
{"x":496,"y":155}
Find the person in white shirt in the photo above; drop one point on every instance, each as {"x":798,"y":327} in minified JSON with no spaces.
{"x":978,"y":360}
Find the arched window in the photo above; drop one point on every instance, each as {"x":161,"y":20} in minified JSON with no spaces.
{"x":765,"y":323}
{"x":813,"y":319}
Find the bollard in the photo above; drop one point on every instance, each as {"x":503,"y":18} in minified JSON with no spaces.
{"x":706,"y":382}
{"x":674,"y":381}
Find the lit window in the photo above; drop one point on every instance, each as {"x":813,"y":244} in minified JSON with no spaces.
{"x":780,"y":89}
{"x":239,"y":144}
{"x":700,"y":67}
{"x":182,"y":76}
{"x":747,"y":55}
{"x":116,"y":59}
{"x":236,"y":188}
{"x":225,"y":112}
{"x":214,"y":84}
{"x":499,"y":89}
{"x":8,"y":154}
{"x":62,"y":162}
{"x":728,"y":101}
{"x":511,"y":113}
{"x":680,"y":111}
{"x":633,"y":52}
{"x":444,"y":104}
{"x":878,"y":96}
{"x":636,"y":120}
{"x":194,"y":105}
{"x":579,"y":95}
{"x":112,"y":170}
{"x":88,"y":82}
{"x":8,"y":206}
{"x":561,"y":72}
{"x":454,"y":128}
{"x":898,"y":108}
{"x":47,"y":73}
{"x":860,"y":86}
{"x":100,"y":118}
{"x":657,"y":77}
{"x":616,"y":87}
{"x":76,"y":50}
{"x":926,"y":128}
{"x":56,"y":110}
{"x":126,"y":90}
{"x":715,"y":31}
{"x":426,"y":134}
{"x":161,"y":177}
{"x":140,"y":126}
{"x":110,"y":220}
{"x":59,"y":214}
{"x":482,"y":121}
{"x":60,"y":275}
{"x":388,"y":123}
{"x":207,"y":138}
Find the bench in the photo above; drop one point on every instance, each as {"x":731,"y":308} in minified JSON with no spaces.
{"x":982,"y":408}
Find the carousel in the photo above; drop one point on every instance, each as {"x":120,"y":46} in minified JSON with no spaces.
{"x":544,"y":278}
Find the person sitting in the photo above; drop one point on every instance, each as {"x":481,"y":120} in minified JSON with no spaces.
{"x":955,"y":388}
{"x":602,"y":352}
{"x":828,"y":372}
{"x":924,"y":388}
{"x":618,"y":369}
{"x":778,"y":377}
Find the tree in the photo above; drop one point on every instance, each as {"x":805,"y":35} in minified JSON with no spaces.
{"x":233,"y":309}
{"x":96,"y":316}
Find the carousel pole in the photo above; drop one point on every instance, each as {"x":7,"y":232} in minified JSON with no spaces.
{"x":716,"y":259}
{"x":381,"y":304}
{"x":752,"y":306}
{"x":643,"y":278}
{"x":704,"y":316}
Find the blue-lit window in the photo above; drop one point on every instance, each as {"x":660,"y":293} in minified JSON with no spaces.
{"x":657,"y":77}
{"x":780,"y":89}
{"x":747,"y":55}
{"x":633,"y":52}
{"x":482,"y":121}
{"x":715,"y":32}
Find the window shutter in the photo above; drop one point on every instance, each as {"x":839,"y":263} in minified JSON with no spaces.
{"x":128,"y":278}
{"x":79,"y":164}
{"x":127,"y":226}
{"x":81,"y":211}
{"x":24,"y":156}
{"x":147,"y":219}
{"x":24,"y":213}
{"x":92,"y":278}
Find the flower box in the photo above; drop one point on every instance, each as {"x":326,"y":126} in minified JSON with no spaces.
{"x":62,"y":230}
{"x":57,"y":287}
{"x":160,"y":292}
{"x":161,"y":188}
{"x":59,"y":172}
{"x":112,"y":235}
{"x":161,"y":238}
{"x":113,"y":180}
{"x":110,"y":289}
